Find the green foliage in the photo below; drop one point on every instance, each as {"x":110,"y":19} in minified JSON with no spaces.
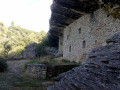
{"x":3,"y":65}
{"x":28,"y":82}
{"x":7,"y":48}
{"x":12,"y":24}
{"x":1,"y":24}
{"x":40,"y":50}
{"x":14,"y":39}
{"x":49,"y":62}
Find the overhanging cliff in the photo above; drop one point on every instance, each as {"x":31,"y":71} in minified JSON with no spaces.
{"x":65,"y":12}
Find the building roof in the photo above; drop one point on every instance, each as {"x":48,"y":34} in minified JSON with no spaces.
{"x":64,"y":12}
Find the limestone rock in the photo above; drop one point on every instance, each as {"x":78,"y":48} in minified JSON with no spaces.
{"x":101,"y":70}
{"x":30,"y":51}
{"x":64,"y":12}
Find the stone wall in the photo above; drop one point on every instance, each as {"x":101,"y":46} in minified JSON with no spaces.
{"x":88,"y":32}
{"x":47,"y":71}
{"x":36,"y":70}
{"x":60,"y":45}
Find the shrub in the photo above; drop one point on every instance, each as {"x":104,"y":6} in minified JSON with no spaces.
{"x":3,"y":65}
{"x":40,"y":49}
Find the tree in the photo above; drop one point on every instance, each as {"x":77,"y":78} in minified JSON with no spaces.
{"x":1,"y":24}
{"x":12,"y":24}
{"x":40,"y":49}
{"x":13,"y":39}
{"x":7,"y":48}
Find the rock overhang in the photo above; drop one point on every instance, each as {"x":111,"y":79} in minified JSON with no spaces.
{"x":64,"y":12}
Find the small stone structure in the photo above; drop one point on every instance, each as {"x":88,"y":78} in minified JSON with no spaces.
{"x":30,"y":51}
{"x":101,"y":70}
{"x":47,"y":71}
{"x":36,"y":70}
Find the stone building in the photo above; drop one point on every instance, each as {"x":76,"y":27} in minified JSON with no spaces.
{"x":83,"y":25}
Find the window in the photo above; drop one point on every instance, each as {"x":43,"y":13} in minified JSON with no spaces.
{"x":79,"y":30}
{"x":95,"y":41}
{"x":84,"y":44}
{"x":108,"y":15}
{"x":69,"y":48}
{"x":67,"y":36}
{"x":61,"y":43}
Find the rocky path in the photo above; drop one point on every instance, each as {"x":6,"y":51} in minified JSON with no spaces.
{"x":15,"y":69}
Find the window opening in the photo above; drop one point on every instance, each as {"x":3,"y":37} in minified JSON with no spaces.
{"x":79,"y":30}
{"x":69,"y":48}
{"x":84,"y":44}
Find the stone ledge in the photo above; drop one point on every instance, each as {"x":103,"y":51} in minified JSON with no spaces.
{"x":47,"y":71}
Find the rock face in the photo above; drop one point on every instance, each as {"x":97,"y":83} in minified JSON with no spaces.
{"x":82,"y":25}
{"x":101,"y":71}
{"x":30,"y":51}
{"x":64,"y":12}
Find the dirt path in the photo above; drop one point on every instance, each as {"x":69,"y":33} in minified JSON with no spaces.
{"x":15,"y":69}
{"x":15,"y":79}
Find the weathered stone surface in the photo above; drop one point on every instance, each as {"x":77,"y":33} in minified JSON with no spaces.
{"x":30,"y":51}
{"x":101,"y":73}
{"x":86,"y":33}
{"x":36,"y":70}
{"x":65,"y":12}
{"x":71,"y":10}
{"x":115,"y":39}
{"x":47,"y":71}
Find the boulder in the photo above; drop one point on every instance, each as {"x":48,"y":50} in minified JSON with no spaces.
{"x":101,"y":71}
{"x":30,"y":52}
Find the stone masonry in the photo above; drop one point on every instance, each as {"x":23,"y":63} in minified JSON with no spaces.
{"x":86,"y":33}
{"x":47,"y":71}
{"x":101,"y":71}
{"x":36,"y":70}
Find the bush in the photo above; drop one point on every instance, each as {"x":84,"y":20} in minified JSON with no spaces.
{"x":3,"y":65}
{"x":40,"y":49}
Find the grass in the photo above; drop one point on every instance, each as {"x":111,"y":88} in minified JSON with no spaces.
{"x":23,"y":82}
{"x":15,"y":81}
{"x":27,"y":82}
{"x":49,"y":62}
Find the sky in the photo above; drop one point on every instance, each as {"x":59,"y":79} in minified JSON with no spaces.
{"x":29,"y":14}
